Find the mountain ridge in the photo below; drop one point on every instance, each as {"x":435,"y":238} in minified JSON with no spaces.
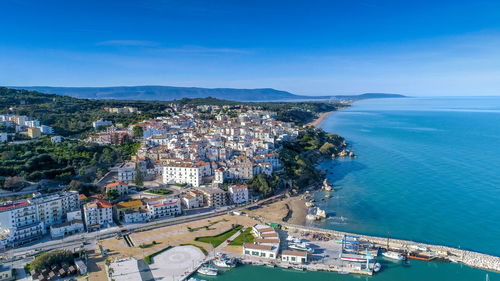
{"x":165,"y":93}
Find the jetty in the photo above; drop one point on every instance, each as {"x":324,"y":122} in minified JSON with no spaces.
{"x":469,"y":258}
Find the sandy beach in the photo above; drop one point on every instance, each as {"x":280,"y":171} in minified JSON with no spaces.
{"x":320,"y":119}
{"x":291,"y":210}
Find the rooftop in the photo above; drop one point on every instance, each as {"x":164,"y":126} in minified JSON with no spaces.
{"x":257,"y":247}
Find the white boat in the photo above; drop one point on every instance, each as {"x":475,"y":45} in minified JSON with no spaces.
{"x":196,"y":279}
{"x":376,"y":267}
{"x":298,"y":268}
{"x":207,"y":270}
{"x":223,"y":262}
{"x":301,"y":248}
{"x":300,"y":244}
{"x":394,"y":255}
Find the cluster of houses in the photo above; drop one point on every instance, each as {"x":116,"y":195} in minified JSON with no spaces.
{"x":23,"y":125}
{"x":266,"y":245}
{"x":125,"y":109}
{"x":189,"y":148}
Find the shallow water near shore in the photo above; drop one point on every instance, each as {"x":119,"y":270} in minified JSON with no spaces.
{"x":428,"y":170}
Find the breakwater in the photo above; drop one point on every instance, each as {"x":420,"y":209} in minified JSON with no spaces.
{"x":469,"y":258}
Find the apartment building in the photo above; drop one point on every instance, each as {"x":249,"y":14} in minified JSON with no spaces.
{"x":126,"y":173}
{"x":238,"y":194}
{"x":52,"y":209}
{"x":185,"y":173}
{"x":131,"y":212}
{"x":120,"y":187}
{"x":166,"y":207}
{"x":214,"y":197}
{"x":19,"y":223}
{"x":97,"y":214}
{"x":34,"y":132}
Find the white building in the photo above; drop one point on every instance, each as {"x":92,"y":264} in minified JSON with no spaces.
{"x":52,"y":208}
{"x":97,"y":214}
{"x":56,"y":139}
{"x":6,"y":273}
{"x":186,"y":173}
{"x":161,"y":208}
{"x":101,"y":123}
{"x":190,"y":201}
{"x":126,"y":173}
{"x":260,"y":251}
{"x":19,"y":223}
{"x":67,"y":228}
{"x":295,"y":257}
{"x":238,"y":194}
{"x":120,"y":187}
{"x":25,"y":221}
{"x":46,"y":130}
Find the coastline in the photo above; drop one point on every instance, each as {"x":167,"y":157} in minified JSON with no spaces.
{"x":295,"y":211}
{"x":296,"y":219}
{"x":321,"y":117}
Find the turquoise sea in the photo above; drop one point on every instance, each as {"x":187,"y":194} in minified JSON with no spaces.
{"x":428,"y":169}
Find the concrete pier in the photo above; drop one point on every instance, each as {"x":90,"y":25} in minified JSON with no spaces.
{"x":469,"y":258}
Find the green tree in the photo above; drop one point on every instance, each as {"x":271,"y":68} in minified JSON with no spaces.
{"x":139,"y":178}
{"x":138,"y":132}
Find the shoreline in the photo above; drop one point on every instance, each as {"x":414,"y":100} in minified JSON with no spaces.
{"x":321,"y":117}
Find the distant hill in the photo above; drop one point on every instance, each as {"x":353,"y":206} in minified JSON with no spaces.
{"x":164,"y":93}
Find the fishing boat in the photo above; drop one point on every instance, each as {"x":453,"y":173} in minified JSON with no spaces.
{"x":208,"y":270}
{"x":298,"y":268}
{"x":393,"y":255}
{"x":419,"y":256}
{"x":224,"y":263}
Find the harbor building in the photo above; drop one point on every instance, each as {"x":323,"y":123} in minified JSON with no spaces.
{"x":296,"y":257}
{"x":260,"y":251}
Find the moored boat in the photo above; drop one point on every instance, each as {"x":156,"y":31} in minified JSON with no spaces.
{"x":376,"y":267}
{"x":419,"y":256}
{"x":224,"y":263}
{"x":208,"y":270}
{"x":394,"y":255}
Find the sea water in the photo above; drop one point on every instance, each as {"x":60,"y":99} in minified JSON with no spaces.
{"x":428,"y":169}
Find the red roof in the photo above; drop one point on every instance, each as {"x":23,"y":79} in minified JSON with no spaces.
{"x":103,"y":203}
{"x":15,"y":205}
{"x":116,"y":183}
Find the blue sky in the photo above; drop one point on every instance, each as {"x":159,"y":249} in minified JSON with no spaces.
{"x":305,"y":47}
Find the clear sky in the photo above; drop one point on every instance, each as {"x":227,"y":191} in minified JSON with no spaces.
{"x":422,"y":47}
